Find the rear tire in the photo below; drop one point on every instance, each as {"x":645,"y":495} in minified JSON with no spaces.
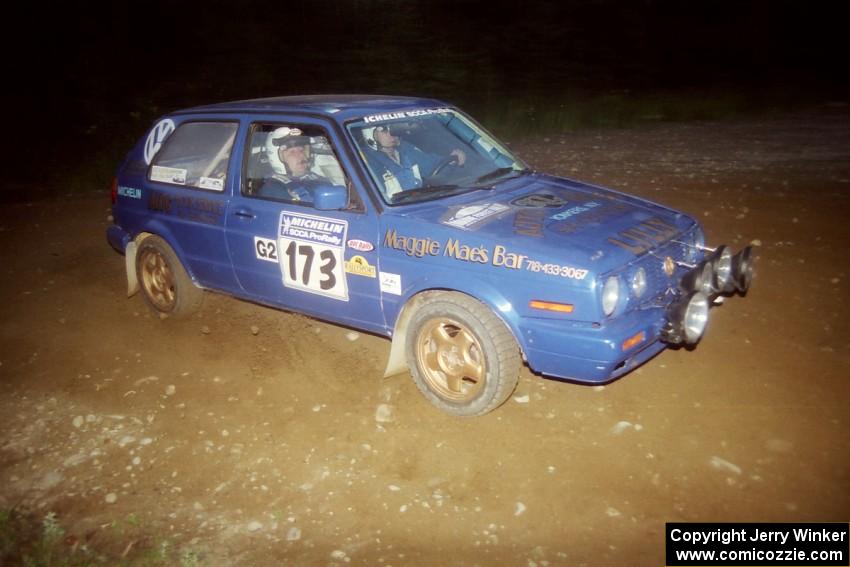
{"x":462,"y":356}
{"x":166,"y":286}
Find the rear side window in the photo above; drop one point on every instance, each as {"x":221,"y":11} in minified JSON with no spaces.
{"x":195,"y":155}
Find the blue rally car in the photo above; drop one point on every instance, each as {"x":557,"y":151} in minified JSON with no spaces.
{"x":404,"y":217}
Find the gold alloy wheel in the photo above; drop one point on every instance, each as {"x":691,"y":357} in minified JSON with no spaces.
{"x":158,"y":280}
{"x":451,"y":360}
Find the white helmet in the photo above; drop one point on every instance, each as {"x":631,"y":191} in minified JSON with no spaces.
{"x":369,"y":137}
{"x":369,"y":134}
{"x":282,"y":138}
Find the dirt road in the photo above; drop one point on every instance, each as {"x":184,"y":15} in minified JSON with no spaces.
{"x":250,"y":436}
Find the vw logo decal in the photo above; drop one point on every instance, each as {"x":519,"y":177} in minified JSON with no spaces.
{"x":157,"y":136}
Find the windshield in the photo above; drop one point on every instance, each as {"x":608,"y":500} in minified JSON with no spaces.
{"x":426,"y":154}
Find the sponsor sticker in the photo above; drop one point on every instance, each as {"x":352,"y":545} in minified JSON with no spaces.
{"x":211,"y":183}
{"x":168,"y":175}
{"x":313,"y":229}
{"x":575,"y":223}
{"x":473,"y":216}
{"x":573,"y":211}
{"x":498,"y":255}
{"x":359,"y":266}
{"x":539,"y":200}
{"x":644,"y":235}
{"x":404,"y":114}
{"x":390,"y":283}
{"x":130,"y":192}
{"x":529,"y":222}
{"x":360,"y":245}
{"x":311,"y":252}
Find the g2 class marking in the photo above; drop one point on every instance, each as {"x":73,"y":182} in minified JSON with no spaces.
{"x":266,"y":249}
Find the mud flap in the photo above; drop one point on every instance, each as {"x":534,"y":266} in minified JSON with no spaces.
{"x":397,"y":362}
{"x":130,"y":264}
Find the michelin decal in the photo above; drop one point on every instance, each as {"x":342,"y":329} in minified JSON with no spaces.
{"x":310,"y":251}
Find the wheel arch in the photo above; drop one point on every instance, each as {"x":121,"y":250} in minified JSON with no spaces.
{"x":132,"y":249}
{"x":485,"y":294}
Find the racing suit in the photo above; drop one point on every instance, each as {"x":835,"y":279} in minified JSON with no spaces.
{"x":407,"y":174}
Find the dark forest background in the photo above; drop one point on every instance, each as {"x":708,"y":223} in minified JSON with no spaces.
{"x":86,"y":81}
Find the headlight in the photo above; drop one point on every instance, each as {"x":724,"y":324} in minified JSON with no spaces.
{"x":639,"y":282}
{"x":610,"y":295}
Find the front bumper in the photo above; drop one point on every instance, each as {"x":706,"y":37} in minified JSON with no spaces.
{"x":595,"y":353}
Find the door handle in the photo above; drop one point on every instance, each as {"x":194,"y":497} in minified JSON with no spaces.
{"x":244,"y":213}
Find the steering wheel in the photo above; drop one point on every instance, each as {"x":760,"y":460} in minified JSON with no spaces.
{"x":443,"y":164}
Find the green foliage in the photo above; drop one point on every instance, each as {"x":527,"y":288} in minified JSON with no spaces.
{"x":24,"y":540}
{"x":570,"y":111}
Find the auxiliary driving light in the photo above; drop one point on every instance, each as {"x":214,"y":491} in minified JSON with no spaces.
{"x":742,"y":269}
{"x":721,"y":262}
{"x":687,"y":319}
{"x":700,"y":279}
{"x":696,"y":318}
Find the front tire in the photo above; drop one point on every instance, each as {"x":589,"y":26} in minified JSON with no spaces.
{"x":462,"y":356}
{"x":166,"y":286}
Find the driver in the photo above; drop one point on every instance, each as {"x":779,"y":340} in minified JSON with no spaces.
{"x":400,"y":164}
{"x":290,"y":157}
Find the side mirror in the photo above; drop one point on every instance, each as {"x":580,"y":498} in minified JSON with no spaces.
{"x":327,"y":197}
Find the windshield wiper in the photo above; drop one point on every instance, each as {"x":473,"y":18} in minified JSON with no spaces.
{"x":430,"y":192}
{"x":497,"y":173}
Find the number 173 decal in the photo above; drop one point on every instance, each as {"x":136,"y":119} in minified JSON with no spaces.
{"x":311,"y":254}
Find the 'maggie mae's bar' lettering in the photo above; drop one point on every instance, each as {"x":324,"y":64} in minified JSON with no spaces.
{"x":412,"y":246}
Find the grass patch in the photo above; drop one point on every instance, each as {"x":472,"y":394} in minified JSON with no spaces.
{"x":27,"y":540}
{"x":573,"y":111}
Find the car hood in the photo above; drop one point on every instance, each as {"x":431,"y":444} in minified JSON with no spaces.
{"x":553,"y":219}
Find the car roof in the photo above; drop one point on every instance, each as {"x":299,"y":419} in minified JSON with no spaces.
{"x":340,"y":107}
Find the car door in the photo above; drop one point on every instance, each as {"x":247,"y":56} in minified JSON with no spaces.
{"x":284,"y":250}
